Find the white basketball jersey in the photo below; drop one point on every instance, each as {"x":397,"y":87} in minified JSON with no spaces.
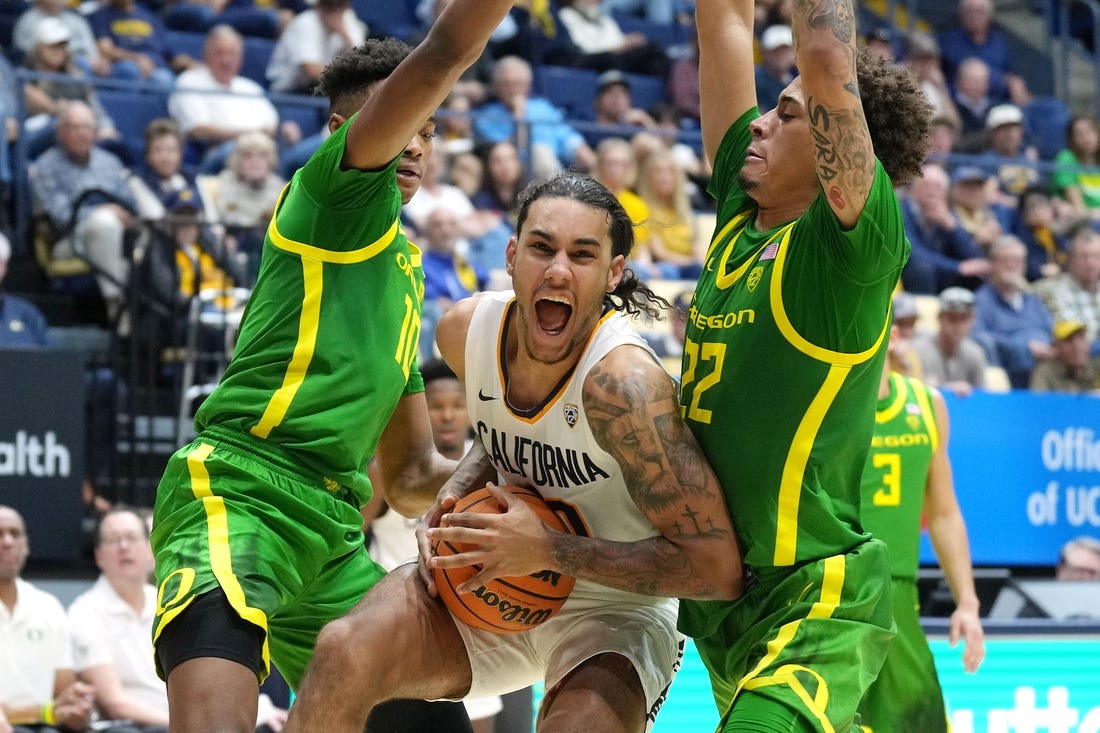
{"x":551,"y":446}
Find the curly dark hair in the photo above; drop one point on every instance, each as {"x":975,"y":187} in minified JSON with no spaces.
{"x":347,"y":79}
{"x":631,"y":295}
{"x":898,"y":114}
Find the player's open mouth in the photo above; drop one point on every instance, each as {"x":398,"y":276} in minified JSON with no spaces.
{"x":553,"y":314}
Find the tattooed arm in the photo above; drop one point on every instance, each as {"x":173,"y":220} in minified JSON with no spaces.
{"x":825,"y":53}
{"x":632,"y":410}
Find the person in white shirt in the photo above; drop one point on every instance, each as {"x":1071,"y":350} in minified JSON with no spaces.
{"x":310,"y":41}
{"x":213,"y":104}
{"x":111,"y":622}
{"x":37,"y":684}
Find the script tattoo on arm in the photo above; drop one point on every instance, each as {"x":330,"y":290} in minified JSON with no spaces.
{"x":633,"y":413}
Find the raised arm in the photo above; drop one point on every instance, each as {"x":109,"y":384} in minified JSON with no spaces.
{"x":727,"y":75}
{"x":397,"y":109}
{"x":825,"y":54}
{"x":947,"y":530}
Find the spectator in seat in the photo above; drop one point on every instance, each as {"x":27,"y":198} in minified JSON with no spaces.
{"x":973,"y":102}
{"x":1010,"y":322}
{"x":214,"y":104}
{"x":247,"y":191}
{"x":603,"y":45}
{"x":1013,"y":162}
{"x":1075,"y":177}
{"x":922,"y":56}
{"x":38,"y":687}
{"x":1071,"y":370}
{"x":448,"y":275}
{"x":132,"y":38}
{"x":976,"y":35}
{"x":613,"y":106}
{"x":973,"y":201}
{"x":312,"y":39}
{"x":546,"y":142}
{"x":162,"y":175}
{"x":943,"y":252}
{"x":1074,"y":295}
{"x":1043,"y":231}
{"x":776,"y":68}
{"x":617,"y":169}
{"x":50,"y":54}
{"x":82,"y":44}
{"x":59,"y":177}
{"x":22,"y":325}
{"x":662,"y":185}
{"x":950,"y":359}
{"x":1079,"y":559}
{"x":880,"y":43}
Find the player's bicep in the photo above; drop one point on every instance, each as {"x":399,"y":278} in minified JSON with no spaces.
{"x":633,"y":412}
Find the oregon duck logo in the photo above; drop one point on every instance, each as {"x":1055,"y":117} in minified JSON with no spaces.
{"x":754,"y":277}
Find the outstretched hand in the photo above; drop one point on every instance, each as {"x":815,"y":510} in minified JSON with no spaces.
{"x":512,"y":543}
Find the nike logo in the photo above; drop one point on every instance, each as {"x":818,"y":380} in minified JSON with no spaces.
{"x":484,"y":397}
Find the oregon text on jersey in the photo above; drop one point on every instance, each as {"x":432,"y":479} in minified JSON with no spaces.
{"x":900,"y":441}
{"x":543,"y":464}
{"x":721,"y":320}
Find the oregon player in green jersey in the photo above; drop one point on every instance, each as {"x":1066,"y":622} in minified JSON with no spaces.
{"x":908,"y":471}
{"x":784,"y":349}
{"x":257,"y":529}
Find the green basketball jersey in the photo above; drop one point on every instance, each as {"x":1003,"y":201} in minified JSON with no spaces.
{"x":328,"y":342}
{"x":897,"y":471}
{"x":784,"y":352}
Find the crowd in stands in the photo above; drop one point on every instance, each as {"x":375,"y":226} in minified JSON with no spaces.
{"x":1006,"y":210}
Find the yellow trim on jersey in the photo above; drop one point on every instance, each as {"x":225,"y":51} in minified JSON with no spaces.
{"x":832,"y":585}
{"x":323,"y":255}
{"x":795,"y":338}
{"x":927,"y":412}
{"x":726,"y":230}
{"x":723,"y":279}
{"x":565,"y":383}
{"x":217,"y":527}
{"x":794,"y":468}
{"x":891,"y":411}
{"x":312,"y":280}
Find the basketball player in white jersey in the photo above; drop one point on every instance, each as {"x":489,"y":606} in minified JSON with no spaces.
{"x":564,"y":396}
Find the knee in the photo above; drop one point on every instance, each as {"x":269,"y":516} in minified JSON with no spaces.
{"x":341,"y":643}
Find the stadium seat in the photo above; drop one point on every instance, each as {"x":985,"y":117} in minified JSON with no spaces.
{"x":132,"y":110}
{"x":646,"y":91}
{"x":571,"y":89}
{"x":309,"y":112}
{"x":1045,"y":121}
{"x":188,"y":42}
{"x":388,"y":17}
{"x":257,"y":52}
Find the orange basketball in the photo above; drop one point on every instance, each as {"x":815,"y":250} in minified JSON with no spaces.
{"x":503,"y":605}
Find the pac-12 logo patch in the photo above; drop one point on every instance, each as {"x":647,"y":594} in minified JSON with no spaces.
{"x":572,"y":414}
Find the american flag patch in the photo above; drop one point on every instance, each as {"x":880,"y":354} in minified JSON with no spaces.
{"x":769,"y":251}
{"x":912,"y":408}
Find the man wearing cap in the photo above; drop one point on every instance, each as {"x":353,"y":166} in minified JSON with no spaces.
{"x":943,"y":252}
{"x":950,"y":358}
{"x":82,"y":43}
{"x":613,"y":104}
{"x":922,"y":56}
{"x":1014,"y":163}
{"x":1074,"y":295}
{"x":1011,"y":322}
{"x":972,"y":201}
{"x":1072,"y":369}
{"x":776,"y":68}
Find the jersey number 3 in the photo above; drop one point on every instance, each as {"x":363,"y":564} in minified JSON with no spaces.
{"x":890,"y":493}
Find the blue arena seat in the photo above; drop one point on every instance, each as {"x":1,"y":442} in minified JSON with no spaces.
{"x":395,"y":18}
{"x":188,"y":42}
{"x":1045,"y":121}
{"x":646,"y":91}
{"x":571,"y":89}
{"x":257,"y":52}
{"x":308,"y":111}
{"x":131,"y":111}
